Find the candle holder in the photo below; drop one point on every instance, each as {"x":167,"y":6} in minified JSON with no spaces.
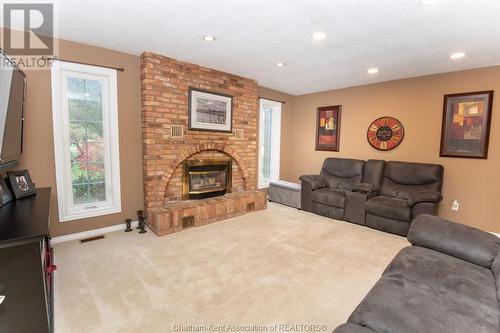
{"x":140,"y":216}
{"x":142,"y":222}
{"x":128,"y":223}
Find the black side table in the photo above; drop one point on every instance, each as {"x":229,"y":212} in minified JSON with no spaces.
{"x":355,"y":207}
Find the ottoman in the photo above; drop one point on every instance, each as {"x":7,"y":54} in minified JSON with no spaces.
{"x":285,"y":193}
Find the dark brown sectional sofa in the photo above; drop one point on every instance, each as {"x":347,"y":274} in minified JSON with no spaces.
{"x":383,"y":195}
{"x":448,"y":281}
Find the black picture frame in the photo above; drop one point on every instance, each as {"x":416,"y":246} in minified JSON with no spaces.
{"x":21,"y":184}
{"x":328,"y":120}
{"x":227,"y":127}
{"x":466,"y":133}
{"x":5,"y":195}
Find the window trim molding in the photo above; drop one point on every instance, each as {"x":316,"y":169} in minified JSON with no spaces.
{"x":275,"y":141}
{"x":67,"y":210}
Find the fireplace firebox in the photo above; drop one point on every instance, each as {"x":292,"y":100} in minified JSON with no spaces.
{"x":206,"y":178}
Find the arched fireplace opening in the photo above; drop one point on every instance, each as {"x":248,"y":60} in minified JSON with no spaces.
{"x":206,"y":178}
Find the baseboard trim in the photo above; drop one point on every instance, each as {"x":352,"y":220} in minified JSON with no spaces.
{"x":101,"y":231}
{"x":90,"y":233}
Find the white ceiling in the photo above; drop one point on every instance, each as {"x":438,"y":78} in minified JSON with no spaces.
{"x":402,"y":38}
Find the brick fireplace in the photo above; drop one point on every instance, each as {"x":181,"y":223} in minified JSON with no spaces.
{"x":169,"y":146}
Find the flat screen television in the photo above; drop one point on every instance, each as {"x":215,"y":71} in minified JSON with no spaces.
{"x":12,"y":96}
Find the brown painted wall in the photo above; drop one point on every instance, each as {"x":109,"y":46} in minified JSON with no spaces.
{"x":418,"y":103}
{"x":38,"y":156}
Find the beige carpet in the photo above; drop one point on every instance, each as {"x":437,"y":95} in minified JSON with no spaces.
{"x":274,"y":267}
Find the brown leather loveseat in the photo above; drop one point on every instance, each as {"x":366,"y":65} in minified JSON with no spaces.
{"x":383,"y":195}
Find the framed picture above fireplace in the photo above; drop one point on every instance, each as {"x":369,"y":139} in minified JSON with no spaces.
{"x":210,"y":111}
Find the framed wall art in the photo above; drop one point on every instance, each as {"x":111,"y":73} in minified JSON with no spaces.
{"x":385,"y":133}
{"x":328,"y":128}
{"x":466,"y":124}
{"x":210,"y":111}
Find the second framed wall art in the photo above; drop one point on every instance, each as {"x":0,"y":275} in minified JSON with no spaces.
{"x":328,"y":128}
{"x":466,"y":124}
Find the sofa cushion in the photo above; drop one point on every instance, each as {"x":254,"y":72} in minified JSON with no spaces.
{"x":399,"y":305}
{"x":392,"y":208}
{"x":328,"y":211}
{"x":373,"y":172}
{"x":329,"y":196}
{"x":387,"y":224}
{"x":447,"y":275}
{"x":405,"y":176}
{"x":455,"y":239}
{"x":342,"y":173}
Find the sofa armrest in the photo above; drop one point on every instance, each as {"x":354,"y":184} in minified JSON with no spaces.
{"x":315,"y":181}
{"x":352,"y":328}
{"x":457,"y":240}
{"x":365,"y":188}
{"x":424,"y":196}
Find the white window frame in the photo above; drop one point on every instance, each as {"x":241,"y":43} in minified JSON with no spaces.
{"x":275,"y":141}
{"x":69,"y":211}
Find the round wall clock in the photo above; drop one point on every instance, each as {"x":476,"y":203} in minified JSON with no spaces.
{"x":385,"y":133}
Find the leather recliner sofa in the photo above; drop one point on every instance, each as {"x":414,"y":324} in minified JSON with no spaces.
{"x":382,"y":195}
{"x":448,"y":281}
{"x":407,"y":191}
{"x":325,"y":194}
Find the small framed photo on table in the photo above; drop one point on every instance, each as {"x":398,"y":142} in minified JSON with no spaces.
{"x":21,"y":184}
{"x":5,"y":195}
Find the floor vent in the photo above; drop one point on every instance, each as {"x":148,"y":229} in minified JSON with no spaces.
{"x":188,"y":221}
{"x":91,"y":239}
{"x":250,"y":206}
{"x":177,"y":131}
{"x":238,"y":134}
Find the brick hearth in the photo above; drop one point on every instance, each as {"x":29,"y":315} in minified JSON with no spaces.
{"x":177,"y":215}
{"x":165,"y":84}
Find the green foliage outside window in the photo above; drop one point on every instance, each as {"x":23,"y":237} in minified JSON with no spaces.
{"x":86,"y":140}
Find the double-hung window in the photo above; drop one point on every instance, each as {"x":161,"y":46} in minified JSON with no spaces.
{"x":85,"y":119}
{"x":269,"y":142}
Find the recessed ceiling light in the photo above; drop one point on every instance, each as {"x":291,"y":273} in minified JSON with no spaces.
{"x":280,"y":64}
{"x":319,"y":35}
{"x":457,"y":55}
{"x":372,"y":71}
{"x":429,"y":2}
{"x":209,"y":38}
